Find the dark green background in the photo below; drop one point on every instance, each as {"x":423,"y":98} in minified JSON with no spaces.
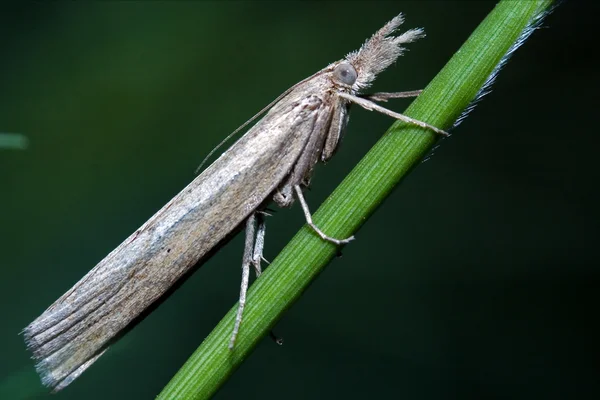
{"x":476,"y":279}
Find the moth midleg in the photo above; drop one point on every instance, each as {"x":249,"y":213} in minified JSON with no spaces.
{"x":369,"y":105}
{"x":247,"y":260}
{"x":284,"y":196}
{"x":302,"y":169}
{"x":310,"y":222}
{"x":339,"y":120}
{"x":385,"y":96}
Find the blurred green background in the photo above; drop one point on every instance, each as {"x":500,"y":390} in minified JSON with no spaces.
{"x":496,"y":295}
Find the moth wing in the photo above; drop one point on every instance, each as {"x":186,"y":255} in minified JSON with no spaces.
{"x":71,"y":334}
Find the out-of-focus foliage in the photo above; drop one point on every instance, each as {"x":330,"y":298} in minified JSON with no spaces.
{"x":13,"y":141}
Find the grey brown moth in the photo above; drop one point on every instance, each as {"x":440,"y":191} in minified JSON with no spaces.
{"x":273,"y":161}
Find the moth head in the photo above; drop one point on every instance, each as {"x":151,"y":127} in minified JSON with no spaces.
{"x":378,"y":52}
{"x":344,"y":74}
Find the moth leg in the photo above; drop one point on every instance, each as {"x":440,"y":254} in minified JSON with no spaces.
{"x":246,"y":261}
{"x":259,"y":243}
{"x":257,"y":256}
{"x":310,"y":223}
{"x":278,"y":340}
{"x":369,"y":105}
{"x":284,"y":197}
{"x":385,"y":96}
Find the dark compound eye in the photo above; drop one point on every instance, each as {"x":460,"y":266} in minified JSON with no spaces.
{"x":345,"y":73}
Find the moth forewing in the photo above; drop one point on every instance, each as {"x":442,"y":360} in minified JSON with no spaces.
{"x":81,"y":324}
{"x":274,"y":159}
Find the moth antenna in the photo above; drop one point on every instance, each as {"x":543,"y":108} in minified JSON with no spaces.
{"x":258,"y":114}
{"x":381,"y":50}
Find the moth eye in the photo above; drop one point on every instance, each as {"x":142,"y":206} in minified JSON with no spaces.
{"x":345,"y":73}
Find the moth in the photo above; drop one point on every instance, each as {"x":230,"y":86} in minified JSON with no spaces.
{"x":272,"y":161}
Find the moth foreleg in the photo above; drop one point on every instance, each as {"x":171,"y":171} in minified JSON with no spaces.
{"x":369,"y":105}
{"x":247,"y":260}
{"x":385,"y":96}
{"x":310,"y":222}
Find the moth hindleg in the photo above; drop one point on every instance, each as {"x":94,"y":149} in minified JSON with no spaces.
{"x":259,"y":242}
{"x":251,"y":247}
{"x":310,"y":222}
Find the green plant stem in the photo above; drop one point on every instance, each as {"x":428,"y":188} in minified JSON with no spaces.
{"x":397,"y":152}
